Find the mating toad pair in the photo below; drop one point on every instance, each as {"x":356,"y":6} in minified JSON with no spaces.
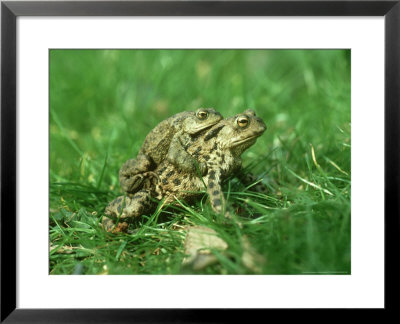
{"x":178,"y":158}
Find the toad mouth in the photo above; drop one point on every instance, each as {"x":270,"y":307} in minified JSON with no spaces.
{"x":248,"y":139}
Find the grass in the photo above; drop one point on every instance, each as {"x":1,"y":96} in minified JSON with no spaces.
{"x":104,"y":102}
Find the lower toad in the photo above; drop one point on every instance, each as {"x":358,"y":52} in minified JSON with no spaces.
{"x":219,"y":148}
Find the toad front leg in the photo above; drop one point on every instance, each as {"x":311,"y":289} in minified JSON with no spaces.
{"x":252,"y":182}
{"x":178,"y":156}
{"x":214,"y":190}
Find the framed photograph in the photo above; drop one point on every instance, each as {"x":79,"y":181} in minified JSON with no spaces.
{"x":178,"y":154}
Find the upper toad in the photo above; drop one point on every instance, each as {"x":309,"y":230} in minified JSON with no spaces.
{"x":168,"y":140}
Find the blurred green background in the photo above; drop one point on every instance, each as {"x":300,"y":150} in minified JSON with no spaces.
{"x":104,"y":102}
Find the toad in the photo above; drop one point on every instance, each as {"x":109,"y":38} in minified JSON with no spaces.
{"x":168,"y":140}
{"x":219,"y":149}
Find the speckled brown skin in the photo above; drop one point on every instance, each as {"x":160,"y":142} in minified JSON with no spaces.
{"x":220,"y":148}
{"x":168,"y":141}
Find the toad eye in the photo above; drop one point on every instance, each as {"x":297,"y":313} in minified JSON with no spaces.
{"x":242,"y":121}
{"x":202,"y":114}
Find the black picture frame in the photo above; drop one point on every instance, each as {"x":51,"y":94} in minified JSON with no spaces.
{"x":10,"y":10}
